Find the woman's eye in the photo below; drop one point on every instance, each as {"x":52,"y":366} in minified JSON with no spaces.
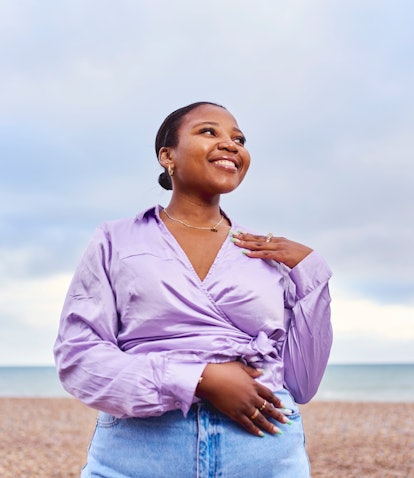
{"x":209,"y":131}
{"x":240,"y":139}
{"x":212,"y":132}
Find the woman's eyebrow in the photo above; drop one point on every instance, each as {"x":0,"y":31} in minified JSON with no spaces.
{"x":206,"y":122}
{"x":213,"y":123}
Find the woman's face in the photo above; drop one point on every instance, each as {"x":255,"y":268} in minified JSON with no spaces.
{"x":210,"y":157}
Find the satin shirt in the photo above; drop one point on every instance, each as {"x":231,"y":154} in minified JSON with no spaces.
{"x":138,"y":325}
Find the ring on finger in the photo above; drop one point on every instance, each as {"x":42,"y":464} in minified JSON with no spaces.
{"x":256,"y":412}
{"x":263,"y":406}
{"x":269,"y":237}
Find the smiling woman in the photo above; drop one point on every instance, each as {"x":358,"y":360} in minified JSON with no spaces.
{"x":193,"y":340}
{"x":208,"y":134}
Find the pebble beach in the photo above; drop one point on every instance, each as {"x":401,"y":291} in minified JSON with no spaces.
{"x":48,"y":438}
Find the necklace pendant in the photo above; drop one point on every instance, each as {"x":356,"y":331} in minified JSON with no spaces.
{"x":213,"y":229}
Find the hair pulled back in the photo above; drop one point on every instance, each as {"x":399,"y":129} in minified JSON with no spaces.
{"x":167,"y":135}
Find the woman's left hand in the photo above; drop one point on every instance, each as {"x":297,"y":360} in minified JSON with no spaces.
{"x":279,"y":249}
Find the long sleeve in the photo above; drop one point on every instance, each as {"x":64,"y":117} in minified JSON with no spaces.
{"x":92,"y":366}
{"x":309,"y":336}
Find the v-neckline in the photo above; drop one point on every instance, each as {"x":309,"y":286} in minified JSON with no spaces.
{"x":182,"y":252}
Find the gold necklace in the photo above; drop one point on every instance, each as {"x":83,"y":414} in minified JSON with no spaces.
{"x":211,"y":228}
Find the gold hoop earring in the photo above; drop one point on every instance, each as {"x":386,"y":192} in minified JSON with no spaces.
{"x":170,"y":170}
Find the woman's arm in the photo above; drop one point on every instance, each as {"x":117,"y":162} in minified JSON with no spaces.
{"x":95,"y":370}
{"x":308,"y":338}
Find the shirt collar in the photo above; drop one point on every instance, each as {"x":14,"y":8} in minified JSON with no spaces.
{"x":153,"y":211}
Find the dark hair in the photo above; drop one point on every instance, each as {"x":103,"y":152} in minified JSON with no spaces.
{"x":168,"y":135}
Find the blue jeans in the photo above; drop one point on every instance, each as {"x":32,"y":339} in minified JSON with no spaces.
{"x":206,"y":444}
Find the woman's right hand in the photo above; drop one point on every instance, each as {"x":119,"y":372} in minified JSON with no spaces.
{"x":231,"y":387}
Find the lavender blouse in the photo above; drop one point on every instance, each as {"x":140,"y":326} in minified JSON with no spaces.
{"x":138,"y":325}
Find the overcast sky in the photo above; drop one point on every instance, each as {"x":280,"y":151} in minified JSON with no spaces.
{"x":323,"y":91}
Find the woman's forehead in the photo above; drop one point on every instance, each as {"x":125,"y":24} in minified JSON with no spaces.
{"x":208,"y":114}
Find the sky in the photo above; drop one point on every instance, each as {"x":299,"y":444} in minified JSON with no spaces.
{"x":323,"y":91}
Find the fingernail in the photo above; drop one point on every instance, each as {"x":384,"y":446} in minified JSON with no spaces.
{"x":260,"y":434}
{"x":233,"y":239}
{"x":277,"y":431}
{"x":288,"y":422}
{"x":261,"y":370}
{"x":245,"y":252}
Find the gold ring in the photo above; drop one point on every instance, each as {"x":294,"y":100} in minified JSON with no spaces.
{"x":263,"y":406}
{"x":256,"y":412}
{"x":269,"y":237}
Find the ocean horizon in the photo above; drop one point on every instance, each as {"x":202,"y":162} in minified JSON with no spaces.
{"x":387,"y":382}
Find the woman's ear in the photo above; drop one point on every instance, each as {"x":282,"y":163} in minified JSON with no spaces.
{"x":164,"y":157}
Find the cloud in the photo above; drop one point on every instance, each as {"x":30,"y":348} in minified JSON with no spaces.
{"x":29,"y":312}
{"x":362,"y":317}
{"x":368,"y":332}
{"x":37,"y":302}
{"x":322,"y":91}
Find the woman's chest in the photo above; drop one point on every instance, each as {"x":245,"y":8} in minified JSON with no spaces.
{"x":238,"y":291}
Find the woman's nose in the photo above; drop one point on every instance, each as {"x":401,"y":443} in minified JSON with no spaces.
{"x":228,"y":144}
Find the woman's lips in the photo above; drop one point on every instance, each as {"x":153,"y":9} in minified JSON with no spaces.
{"x":225,"y":163}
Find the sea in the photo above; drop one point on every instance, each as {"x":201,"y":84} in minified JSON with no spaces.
{"x":341,"y":382}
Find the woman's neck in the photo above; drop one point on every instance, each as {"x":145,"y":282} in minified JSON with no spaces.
{"x":195,"y":212}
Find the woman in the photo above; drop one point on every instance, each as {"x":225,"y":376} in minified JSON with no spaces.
{"x":191,"y":337}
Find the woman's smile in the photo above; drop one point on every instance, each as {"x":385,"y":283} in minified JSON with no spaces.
{"x":229,"y":164}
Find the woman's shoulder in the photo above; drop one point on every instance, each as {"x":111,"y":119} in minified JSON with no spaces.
{"x":125,"y":230}
{"x":120,"y":224}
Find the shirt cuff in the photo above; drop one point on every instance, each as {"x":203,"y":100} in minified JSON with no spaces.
{"x":310,"y":273}
{"x":179,"y":383}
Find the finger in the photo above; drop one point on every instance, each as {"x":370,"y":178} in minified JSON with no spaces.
{"x":253,"y":372}
{"x":280,"y":413}
{"x":260,"y":421}
{"x":246,"y":423}
{"x":252,"y":240}
{"x":259,"y":245}
{"x":255,"y":423}
{"x":262,"y":254}
{"x":270,"y":397}
{"x":244,"y":236}
{"x":273,"y":406}
{"x":270,"y":405}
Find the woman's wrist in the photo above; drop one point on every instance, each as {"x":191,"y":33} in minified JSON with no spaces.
{"x":200,"y":390}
